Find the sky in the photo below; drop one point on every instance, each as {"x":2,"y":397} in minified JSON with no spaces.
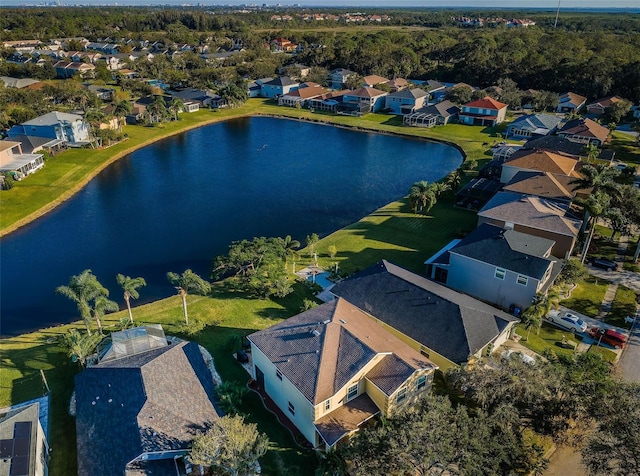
{"x":552,"y":4}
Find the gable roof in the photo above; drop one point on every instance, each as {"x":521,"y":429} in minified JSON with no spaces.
{"x":366,"y":92}
{"x":281,"y":81}
{"x":18,"y":83}
{"x":555,"y":144}
{"x":534,"y":212}
{"x":585,"y":128}
{"x":52,"y":118}
{"x":331,"y":344}
{"x":486,"y":103}
{"x":152,"y":401}
{"x":308,"y":92}
{"x":30,"y":143}
{"x":451,"y":323}
{"x":605,"y":102}
{"x":536,"y":123}
{"x":508,"y":249}
{"x":374,"y":79}
{"x":543,"y":161}
{"x":542,"y":184}
{"x":572,"y":98}
{"x":397,"y":83}
{"x":414,"y":93}
{"x":445,"y":109}
{"x":19,"y":440}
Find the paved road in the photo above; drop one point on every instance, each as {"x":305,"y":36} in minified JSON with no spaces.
{"x":629,"y":279}
{"x":629,"y":364}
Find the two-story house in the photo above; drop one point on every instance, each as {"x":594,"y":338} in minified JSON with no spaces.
{"x":332,"y":368}
{"x":339,"y":76}
{"x":370,"y":99}
{"x":540,"y":161}
{"x":67,"y":69}
{"x":278,"y":87}
{"x":584,"y":131}
{"x":483,"y":112}
{"x":496,"y":265}
{"x":406,"y":101}
{"x":69,"y":128}
{"x":570,"y":102}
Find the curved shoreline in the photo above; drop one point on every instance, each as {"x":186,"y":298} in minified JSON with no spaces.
{"x":119,"y":155}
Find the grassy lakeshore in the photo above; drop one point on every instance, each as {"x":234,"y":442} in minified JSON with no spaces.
{"x":66,"y":174}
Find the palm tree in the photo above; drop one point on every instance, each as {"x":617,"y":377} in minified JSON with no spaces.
{"x":176,"y":106}
{"x":79,"y":346}
{"x":130,"y":287}
{"x":592,"y":152}
{"x":185,"y":283}
{"x":102,"y":305}
{"x":290,"y":247}
{"x":532,"y":318}
{"x":420,"y":196}
{"x":94,"y":117}
{"x":122,"y":109}
{"x":439,"y":188}
{"x":454,"y":179}
{"x":83,"y":289}
{"x":157,"y":110}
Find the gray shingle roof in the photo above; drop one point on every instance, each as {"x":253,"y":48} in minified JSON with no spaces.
{"x":410,"y":93}
{"x":534,"y":212}
{"x":282,"y":81}
{"x":452,"y":324}
{"x":535,"y":122}
{"x":53,"y":118}
{"x":321,"y":350}
{"x":508,"y":249}
{"x":153,"y":401}
{"x":444,"y":109}
{"x":29,"y":143}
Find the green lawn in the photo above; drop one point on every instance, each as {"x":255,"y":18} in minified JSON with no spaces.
{"x":624,"y":304}
{"x":625,"y":147}
{"x":587,"y":297}
{"x":68,"y":172}
{"x":607,"y":354}
{"x":547,"y":339}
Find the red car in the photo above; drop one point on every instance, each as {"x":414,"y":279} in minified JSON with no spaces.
{"x":608,"y":336}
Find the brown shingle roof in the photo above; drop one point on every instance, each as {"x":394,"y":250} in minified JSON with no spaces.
{"x":366,"y":92}
{"x":374,"y":79}
{"x":543,"y":161}
{"x":542,"y":184}
{"x":346,"y":418}
{"x":574,"y":98}
{"x":585,"y":128}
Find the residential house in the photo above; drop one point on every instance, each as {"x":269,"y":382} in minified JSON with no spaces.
{"x":448,"y":327}
{"x":283,"y":45}
{"x":440,"y":113}
{"x":301,"y":96}
{"x":23,"y":46}
{"x":114,"y":62}
{"x":67,"y":69}
{"x":540,"y":161}
{"x":397,"y":84}
{"x":34,"y":144}
{"x":483,"y":112}
{"x":373,"y":80}
{"x":338,"y":77}
{"x":21,"y":83}
{"x":498,"y":266}
{"x":533,"y":125}
{"x":535,"y":216}
{"x":104,"y":93}
{"x":278,"y":87}
{"x":600,"y":106}
{"x":199,"y":97}
{"x":82,"y":56}
{"x":219,"y":58}
{"x":106,"y":48}
{"x":543,"y":184}
{"x":301,"y":70}
{"x":332,"y":368}
{"x":406,"y":101}
{"x":254,"y":88}
{"x":12,"y":159}
{"x":366,"y":99}
{"x":437,"y":90}
{"x":501,"y":152}
{"x":140,"y":407}
{"x":68,"y":128}
{"x":24,"y":450}
{"x":584,"y":131}
{"x":570,"y":102}
{"x":330,"y":101}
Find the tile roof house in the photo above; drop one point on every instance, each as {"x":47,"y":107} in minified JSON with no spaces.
{"x":137,"y":412}
{"x":584,"y":131}
{"x":12,"y":159}
{"x":540,"y":161}
{"x":570,"y":102}
{"x":406,"y":101}
{"x":278,"y":87}
{"x":447,"y":326}
{"x":536,"y":216}
{"x":502,"y":267}
{"x":332,"y":368}
{"x":68,"y":128}
{"x":542,"y":184}
{"x":23,"y":443}
{"x":483,"y":112}
{"x":600,"y":106}
{"x":533,"y":125}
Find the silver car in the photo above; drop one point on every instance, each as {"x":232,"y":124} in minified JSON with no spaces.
{"x":568,"y":321}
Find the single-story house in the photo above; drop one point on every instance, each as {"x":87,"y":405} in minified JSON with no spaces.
{"x":570,"y":102}
{"x":371,"y":99}
{"x":34,"y":144}
{"x":483,"y":112}
{"x":12,"y":159}
{"x":139,"y":408}
{"x":448,"y":327}
{"x":440,"y":113}
{"x":536,"y":216}
{"x":533,"y":125}
{"x":406,"y":101}
{"x":584,"y":131}
{"x":600,"y":106}
{"x":540,"y":161}
{"x":338,"y":76}
{"x":498,"y":266}
{"x":24,"y":450}
{"x":69,"y":128}
{"x":332,"y":368}
{"x":278,"y":87}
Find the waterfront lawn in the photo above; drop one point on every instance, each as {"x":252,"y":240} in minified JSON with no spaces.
{"x":223,"y":315}
{"x":587,"y":296}
{"x":623,"y":305}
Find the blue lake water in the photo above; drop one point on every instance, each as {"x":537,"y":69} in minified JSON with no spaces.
{"x":178,"y":203}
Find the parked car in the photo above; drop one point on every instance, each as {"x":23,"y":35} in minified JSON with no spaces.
{"x":568,"y":321}
{"x":608,"y":336}
{"x":604,"y":263}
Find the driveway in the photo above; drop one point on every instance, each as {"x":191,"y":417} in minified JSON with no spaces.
{"x":626,"y":278}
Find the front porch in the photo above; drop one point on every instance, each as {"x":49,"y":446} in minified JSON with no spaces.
{"x":345,"y":420}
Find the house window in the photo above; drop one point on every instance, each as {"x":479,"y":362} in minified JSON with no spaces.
{"x":327,"y":405}
{"x":292,"y":409}
{"x":500,"y":273}
{"x":422,"y":382}
{"x":279,"y":374}
{"x":424,"y":352}
{"x":352,"y":392}
{"x":402,"y":394}
{"x":523,"y":280}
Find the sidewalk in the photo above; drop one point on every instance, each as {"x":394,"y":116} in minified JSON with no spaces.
{"x":610,"y":295}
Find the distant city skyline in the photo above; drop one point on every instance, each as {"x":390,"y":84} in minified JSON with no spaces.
{"x":545,"y":4}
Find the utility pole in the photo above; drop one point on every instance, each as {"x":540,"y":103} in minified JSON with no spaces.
{"x":555,"y":24}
